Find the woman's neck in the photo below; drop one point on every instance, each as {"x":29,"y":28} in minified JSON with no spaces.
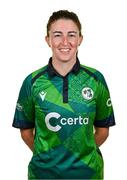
{"x":63,"y":67}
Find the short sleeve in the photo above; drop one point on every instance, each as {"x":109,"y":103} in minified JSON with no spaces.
{"x":24,"y":112}
{"x":104,"y":108}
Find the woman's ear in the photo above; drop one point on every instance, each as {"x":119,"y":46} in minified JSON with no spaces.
{"x":47,"y":40}
{"x":80,"y":40}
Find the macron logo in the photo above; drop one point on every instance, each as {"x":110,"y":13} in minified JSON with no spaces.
{"x":42,"y":95}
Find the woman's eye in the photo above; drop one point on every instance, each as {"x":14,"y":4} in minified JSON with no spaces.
{"x":72,"y":35}
{"x":57,"y":35}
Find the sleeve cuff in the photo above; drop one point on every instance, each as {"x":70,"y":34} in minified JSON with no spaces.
{"x":110,"y":121}
{"x":21,"y":124}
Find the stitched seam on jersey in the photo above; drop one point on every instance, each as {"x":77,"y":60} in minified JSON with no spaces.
{"x":38,"y":75}
{"x":90,"y":73}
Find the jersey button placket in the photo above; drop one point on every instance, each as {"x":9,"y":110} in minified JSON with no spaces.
{"x":65,"y":89}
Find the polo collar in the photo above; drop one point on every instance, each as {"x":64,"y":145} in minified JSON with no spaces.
{"x":52,"y":72}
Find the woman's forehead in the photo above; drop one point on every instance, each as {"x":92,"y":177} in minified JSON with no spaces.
{"x":64,"y":24}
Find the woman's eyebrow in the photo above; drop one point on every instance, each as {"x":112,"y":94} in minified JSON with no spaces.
{"x":75,"y":32}
{"x":57,"y":32}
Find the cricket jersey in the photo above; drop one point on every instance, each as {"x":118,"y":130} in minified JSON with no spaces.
{"x":64,"y":111}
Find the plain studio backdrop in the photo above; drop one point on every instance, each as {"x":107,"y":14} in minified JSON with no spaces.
{"x":23,"y":49}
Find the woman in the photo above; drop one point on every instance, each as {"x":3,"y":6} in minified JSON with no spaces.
{"x":64,"y":109}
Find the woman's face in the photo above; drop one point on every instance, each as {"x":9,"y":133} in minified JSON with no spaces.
{"x":64,"y":39}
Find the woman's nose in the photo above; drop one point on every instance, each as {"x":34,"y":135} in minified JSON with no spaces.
{"x":65,"y":40}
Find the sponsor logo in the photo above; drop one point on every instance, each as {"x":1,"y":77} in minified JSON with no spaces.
{"x":63,"y":121}
{"x":42,"y":95}
{"x":87,"y":93}
{"x":109,"y":103}
{"x":19,"y":107}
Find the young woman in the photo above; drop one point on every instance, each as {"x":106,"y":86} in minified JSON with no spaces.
{"x":64,"y":109}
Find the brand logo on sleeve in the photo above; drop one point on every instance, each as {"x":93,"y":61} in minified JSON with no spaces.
{"x":87,"y":93}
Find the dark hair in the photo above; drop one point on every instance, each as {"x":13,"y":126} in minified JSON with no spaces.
{"x":63,"y":14}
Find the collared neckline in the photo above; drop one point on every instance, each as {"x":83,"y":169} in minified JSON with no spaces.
{"x":52,"y":72}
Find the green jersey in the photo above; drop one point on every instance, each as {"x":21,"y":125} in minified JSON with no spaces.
{"x":64,"y":112}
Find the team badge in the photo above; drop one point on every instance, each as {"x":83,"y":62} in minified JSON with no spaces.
{"x":87,"y":93}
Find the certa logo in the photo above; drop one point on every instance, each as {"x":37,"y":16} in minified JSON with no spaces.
{"x":63,"y":121}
